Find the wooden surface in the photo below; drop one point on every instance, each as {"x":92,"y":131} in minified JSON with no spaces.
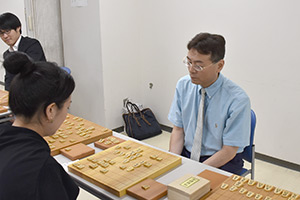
{"x":248,"y":189}
{"x":188,"y":187}
{"x":108,"y":142}
{"x":3,"y":98}
{"x":77,"y":151}
{"x":75,"y":130}
{"x":139,"y":161}
{"x":155,"y":191}
{"x":3,"y":109}
{"x":215,"y":178}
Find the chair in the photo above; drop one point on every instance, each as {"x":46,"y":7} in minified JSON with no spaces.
{"x":67,"y":69}
{"x":249,"y":151}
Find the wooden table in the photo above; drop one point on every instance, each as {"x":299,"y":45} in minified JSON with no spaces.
{"x":6,"y":115}
{"x":187,"y":165}
{"x":3,"y":98}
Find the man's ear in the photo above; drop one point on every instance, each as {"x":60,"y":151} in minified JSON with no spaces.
{"x":18,"y":29}
{"x":51,"y":112}
{"x":220,"y":65}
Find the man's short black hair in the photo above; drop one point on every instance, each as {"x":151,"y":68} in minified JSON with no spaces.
{"x":209,"y":44}
{"x":9,"y":21}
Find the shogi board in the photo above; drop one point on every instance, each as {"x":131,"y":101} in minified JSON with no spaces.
{"x":237,"y":187}
{"x":75,"y":130}
{"x":148,"y":189}
{"x":3,"y":98}
{"x":2,"y":109}
{"x":108,"y":142}
{"x":138,"y":162}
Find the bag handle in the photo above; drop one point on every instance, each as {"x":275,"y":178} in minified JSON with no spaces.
{"x":134,"y":106}
{"x":142,"y":115}
{"x":128,"y":106}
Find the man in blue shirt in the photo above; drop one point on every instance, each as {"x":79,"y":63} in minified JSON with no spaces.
{"x":226,"y":118}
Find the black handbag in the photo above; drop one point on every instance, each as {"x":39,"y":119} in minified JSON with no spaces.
{"x":140,"y":124}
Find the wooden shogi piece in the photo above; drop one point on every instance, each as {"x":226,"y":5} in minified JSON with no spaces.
{"x":108,"y":142}
{"x":120,"y":167}
{"x":75,"y":130}
{"x":237,"y":187}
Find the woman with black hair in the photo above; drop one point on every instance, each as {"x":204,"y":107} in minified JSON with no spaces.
{"x":39,"y":97}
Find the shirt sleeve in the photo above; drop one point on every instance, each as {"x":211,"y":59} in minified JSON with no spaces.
{"x":237,"y":128}
{"x":175,"y":114}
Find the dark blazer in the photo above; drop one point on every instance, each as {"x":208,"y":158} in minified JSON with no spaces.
{"x":32,"y":48}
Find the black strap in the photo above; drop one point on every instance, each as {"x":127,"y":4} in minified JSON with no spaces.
{"x":133,"y":107}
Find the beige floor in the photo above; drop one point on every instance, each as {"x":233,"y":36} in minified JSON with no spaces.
{"x":264,"y":172}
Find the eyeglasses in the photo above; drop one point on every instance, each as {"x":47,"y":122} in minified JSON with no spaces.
{"x":198,"y":68}
{"x":5,"y":32}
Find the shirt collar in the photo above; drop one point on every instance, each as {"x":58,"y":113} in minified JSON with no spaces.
{"x":16,"y":45}
{"x":212,"y":89}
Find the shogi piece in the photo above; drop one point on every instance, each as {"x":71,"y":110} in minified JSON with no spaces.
{"x":108,"y":142}
{"x":241,"y":188}
{"x":215,"y":178}
{"x":148,"y":189}
{"x":3,"y":98}
{"x":75,"y":130}
{"x":188,"y":187}
{"x":3,"y":109}
{"x":120,"y":167}
{"x":77,"y":151}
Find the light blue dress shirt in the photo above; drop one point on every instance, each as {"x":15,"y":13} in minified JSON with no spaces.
{"x":227,"y":114}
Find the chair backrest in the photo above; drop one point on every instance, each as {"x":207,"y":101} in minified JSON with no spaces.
{"x":67,"y":69}
{"x":247,"y":153}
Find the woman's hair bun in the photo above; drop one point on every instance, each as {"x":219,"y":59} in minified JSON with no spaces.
{"x":18,"y":62}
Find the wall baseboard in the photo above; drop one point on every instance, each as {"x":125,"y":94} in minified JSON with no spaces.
{"x":119,"y":129}
{"x":163,"y":127}
{"x":277,"y":161}
{"x":166,"y":128}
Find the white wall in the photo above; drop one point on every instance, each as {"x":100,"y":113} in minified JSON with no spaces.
{"x":82,"y":54}
{"x":16,"y":7}
{"x":121,"y":56}
{"x":145,"y":42}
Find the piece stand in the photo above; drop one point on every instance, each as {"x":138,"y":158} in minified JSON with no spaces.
{"x":77,"y":151}
{"x":148,"y":189}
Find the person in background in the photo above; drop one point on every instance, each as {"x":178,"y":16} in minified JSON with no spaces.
{"x":226,"y":109}
{"x":39,"y":97}
{"x":10,"y":33}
